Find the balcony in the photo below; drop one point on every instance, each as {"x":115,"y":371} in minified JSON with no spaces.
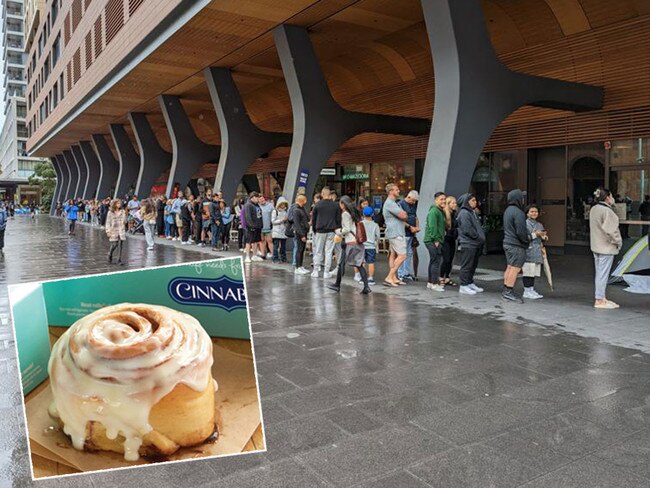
{"x":14,"y":28}
{"x":12,"y":45}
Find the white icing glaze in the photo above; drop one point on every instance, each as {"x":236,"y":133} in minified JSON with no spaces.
{"x":115,"y":364}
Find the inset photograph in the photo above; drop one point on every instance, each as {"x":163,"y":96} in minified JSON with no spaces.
{"x":137,"y":367}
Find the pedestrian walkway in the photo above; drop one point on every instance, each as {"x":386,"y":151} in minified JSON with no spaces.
{"x":390,"y":389}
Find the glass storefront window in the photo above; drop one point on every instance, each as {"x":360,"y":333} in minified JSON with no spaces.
{"x":495,"y":175}
{"x":624,"y":153}
{"x":401,"y":173}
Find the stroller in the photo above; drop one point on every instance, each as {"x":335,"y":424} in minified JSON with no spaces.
{"x":135,"y":223}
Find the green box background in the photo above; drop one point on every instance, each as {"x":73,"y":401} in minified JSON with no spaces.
{"x":35,"y":306}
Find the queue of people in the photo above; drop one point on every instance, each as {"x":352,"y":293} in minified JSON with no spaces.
{"x":347,"y":233}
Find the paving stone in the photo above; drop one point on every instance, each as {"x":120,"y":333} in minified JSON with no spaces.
{"x":401,"y":479}
{"x":472,"y":466}
{"x":348,"y":462}
{"x":589,"y":472}
{"x":301,"y":435}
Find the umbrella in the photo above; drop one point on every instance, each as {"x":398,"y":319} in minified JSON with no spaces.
{"x":547,"y":270}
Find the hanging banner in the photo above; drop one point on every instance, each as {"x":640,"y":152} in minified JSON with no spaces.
{"x":302,"y":180}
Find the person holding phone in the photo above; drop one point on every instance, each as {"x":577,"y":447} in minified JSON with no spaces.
{"x":532,"y":268}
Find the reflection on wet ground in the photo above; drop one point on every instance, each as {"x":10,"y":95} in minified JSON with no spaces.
{"x":379,"y":390}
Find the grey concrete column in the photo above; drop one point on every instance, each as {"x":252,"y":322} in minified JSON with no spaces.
{"x":75,"y":175}
{"x":65,"y":170}
{"x":154,"y":160}
{"x":84,"y":171}
{"x":189,"y":152}
{"x":320,"y":125}
{"x":59,"y":183}
{"x":94,"y":168}
{"x":474,"y":92}
{"x":129,"y":161}
{"x":241,"y":141}
{"x":110,"y":167}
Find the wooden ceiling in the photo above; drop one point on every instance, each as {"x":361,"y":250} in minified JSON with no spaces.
{"x":376,"y":58}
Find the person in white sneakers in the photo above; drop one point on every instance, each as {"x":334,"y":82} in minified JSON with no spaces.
{"x":532,"y":268}
{"x":326,"y":218}
{"x":434,"y":236}
{"x":606,"y":241}
{"x":471,"y":238}
{"x":300,"y":230}
{"x":253,"y":221}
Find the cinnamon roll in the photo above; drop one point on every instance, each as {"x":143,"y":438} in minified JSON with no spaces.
{"x":134,"y":379}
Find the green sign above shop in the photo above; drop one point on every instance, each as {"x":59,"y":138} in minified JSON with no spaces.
{"x":356,"y":176}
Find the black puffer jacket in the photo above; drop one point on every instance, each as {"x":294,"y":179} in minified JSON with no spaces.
{"x":300,"y":222}
{"x":515,"y":232}
{"x":470,"y":232}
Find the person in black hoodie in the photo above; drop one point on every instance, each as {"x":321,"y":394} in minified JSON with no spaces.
{"x":254,"y":223}
{"x":215,"y":221}
{"x":160,"y":215}
{"x":471,"y":238}
{"x":515,"y":242}
{"x":300,"y":228}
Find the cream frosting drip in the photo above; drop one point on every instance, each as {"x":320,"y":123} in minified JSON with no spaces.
{"x":115,"y":364}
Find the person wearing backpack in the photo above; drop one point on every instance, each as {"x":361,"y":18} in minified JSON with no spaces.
{"x":3,"y":225}
{"x":278,"y":232}
{"x":353,"y":236}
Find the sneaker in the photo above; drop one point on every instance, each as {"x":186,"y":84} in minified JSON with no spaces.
{"x":257,"y":258}
{"x":269,"y":255}
{"x":168,"y":237}
{"x":297,"y":271}
{"x":466,"y":290}
{"x":477,"y":289}
{"x":327,"y":275}
{"x":314,"y":274}
{"x":371,"y":281}
{"x":304,"y":271}
{"x":259,"y":254}
{"x":357,"y":277}
{"x":606,"y":305}
{"x":511,"y":296}
{"x":150,"y":248}
{"x":248,"y":259}
{"x":241,"y":249}
{"x":174,"y":238}
{"x":532,"y":294}
{"x":437,"y":288}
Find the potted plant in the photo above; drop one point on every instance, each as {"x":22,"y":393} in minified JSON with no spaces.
{"x":493,"y":226}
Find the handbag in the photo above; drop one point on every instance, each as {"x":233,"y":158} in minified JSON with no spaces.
{"x":361,"y":235}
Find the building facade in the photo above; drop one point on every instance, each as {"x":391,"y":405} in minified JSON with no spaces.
{"x":488,"y":95}
{"x":15,"y":164}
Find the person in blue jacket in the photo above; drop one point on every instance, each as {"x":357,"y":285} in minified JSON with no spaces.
{"x":72,"y":213}
{"x":3,"y":225}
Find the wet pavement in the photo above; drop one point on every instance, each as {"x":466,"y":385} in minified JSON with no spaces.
{"x":393,"y":389}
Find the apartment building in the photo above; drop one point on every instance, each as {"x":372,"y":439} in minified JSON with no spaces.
{"x":18,"y":18}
